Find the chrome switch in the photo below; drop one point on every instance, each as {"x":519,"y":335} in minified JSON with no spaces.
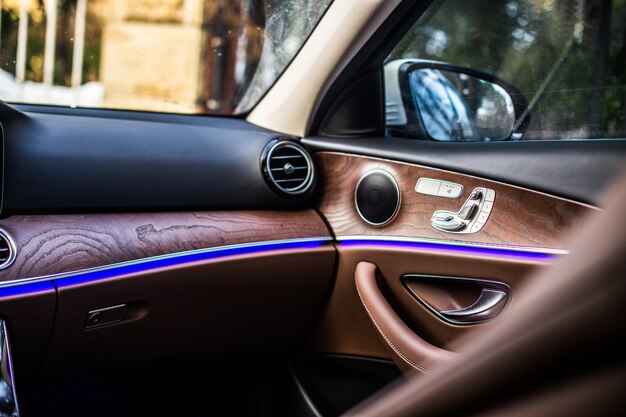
{"x":451,"y":225}
{"x":468,"y":211}
{"x":471,"y":217}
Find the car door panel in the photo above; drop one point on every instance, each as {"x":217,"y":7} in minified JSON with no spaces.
{"x":578,"y":169}
{"x":525,"y":230}
{"x":519,"y":217}
{"x":345,"y":327}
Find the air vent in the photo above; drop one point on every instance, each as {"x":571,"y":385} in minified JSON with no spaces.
{"x":7,"y":250}
{"x":288,"y":167}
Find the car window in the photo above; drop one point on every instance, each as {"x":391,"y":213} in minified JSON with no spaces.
{"x":182,"y":56}
{"x":565,"y":57}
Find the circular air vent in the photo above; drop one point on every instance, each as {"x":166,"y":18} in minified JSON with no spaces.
{"x":288,"y":167}
{"x":7,"y":250}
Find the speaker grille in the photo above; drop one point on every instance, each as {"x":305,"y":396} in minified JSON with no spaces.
{"x":377,"y":198}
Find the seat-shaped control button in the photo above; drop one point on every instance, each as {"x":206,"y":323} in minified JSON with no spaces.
{"x":468,"y":211}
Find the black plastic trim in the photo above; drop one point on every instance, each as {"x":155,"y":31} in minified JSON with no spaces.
{"x":576,"y":169}
{"x":99,"y":160}
{"x":366,"y":64}
{"x":329,"y":385}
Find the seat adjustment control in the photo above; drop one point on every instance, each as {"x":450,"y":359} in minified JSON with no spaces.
{"x":476,"y":195}
{"x":468,"y":211}
{"x":471,"y":217}
{"x":452,"y":225}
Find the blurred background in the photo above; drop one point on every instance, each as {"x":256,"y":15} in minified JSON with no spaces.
{"x":566,"y":56}
{"x":220,"y":56}
{"x":182,"y":56}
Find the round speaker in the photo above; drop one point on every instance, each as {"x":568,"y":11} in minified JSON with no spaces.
{"x":377,"y":197}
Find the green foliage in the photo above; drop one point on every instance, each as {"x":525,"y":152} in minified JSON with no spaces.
{"x":567,"y":56}
{"x":64,"y":43}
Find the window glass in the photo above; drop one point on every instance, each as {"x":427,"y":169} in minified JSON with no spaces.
{"x":566,"y":57}
{"x":182,"y":56}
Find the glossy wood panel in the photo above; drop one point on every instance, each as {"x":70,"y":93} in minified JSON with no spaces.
{"x":520,"y":217}
{"x":52,"y":244}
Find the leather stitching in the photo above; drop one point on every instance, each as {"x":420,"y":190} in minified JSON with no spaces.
{"x":395,"y":349}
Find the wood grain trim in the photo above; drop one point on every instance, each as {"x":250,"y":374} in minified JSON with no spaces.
{"x":520,"y":217}
{"x":54,"y":244}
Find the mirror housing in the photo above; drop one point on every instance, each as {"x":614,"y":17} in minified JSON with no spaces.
{"x":443,"y":102}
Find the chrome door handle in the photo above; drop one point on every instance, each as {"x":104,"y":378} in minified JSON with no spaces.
{"x":490,"y":303}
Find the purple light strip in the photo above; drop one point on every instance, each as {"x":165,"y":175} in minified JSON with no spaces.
{"x":149,"y":265}
{"x":451,"y":248}
{"x":152,"y":264}
{"x":26,"y":289}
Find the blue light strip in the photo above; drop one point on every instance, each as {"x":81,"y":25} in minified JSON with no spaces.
{"x":451,"y":248}
{"x":26,"y":289}
{"x":40,"y":284}
{"x":183,"y":258}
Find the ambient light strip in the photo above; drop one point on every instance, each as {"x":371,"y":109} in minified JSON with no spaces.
{"x":45,"y":283}
{"x":526,"y":253}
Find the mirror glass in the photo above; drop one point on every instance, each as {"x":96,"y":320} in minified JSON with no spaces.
{"x":458,"y":107}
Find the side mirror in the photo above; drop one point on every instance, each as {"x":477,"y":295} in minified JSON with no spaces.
{"x":442,"y":102}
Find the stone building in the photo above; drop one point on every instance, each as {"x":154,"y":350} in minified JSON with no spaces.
{"x":151,"y":54}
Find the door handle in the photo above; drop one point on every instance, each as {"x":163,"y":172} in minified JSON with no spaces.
{"x":490,"y":303}
{"x":407,"y":348}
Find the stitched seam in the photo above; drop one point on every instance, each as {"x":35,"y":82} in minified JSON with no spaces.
{"x":395,"y":349}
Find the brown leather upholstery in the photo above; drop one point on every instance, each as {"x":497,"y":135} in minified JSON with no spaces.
{"x":558,"y":351}
{"x":410,"y":351}
{"x":344,"y":326}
